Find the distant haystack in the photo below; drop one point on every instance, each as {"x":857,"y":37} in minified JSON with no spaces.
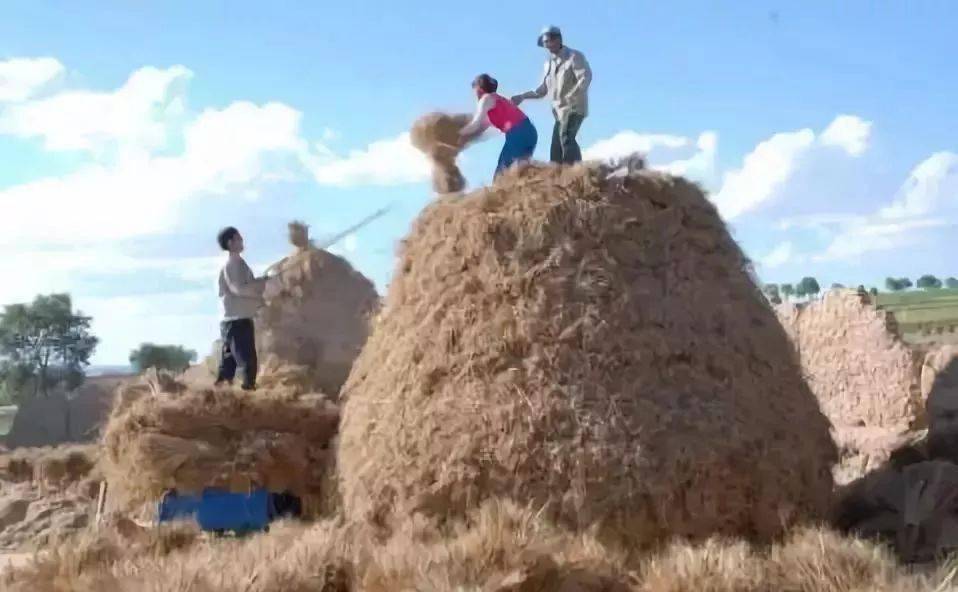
{"x":867,"y":380}
{"x":590,"y":344}
{"x":859,"y":368}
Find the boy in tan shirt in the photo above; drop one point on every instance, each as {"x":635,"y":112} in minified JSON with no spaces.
{"x":241,"y":294}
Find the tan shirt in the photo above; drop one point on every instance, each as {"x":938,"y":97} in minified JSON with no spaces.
{"x":565,"y":81}
{"x":241,"y":293}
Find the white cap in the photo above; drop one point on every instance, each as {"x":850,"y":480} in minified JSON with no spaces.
{"x":550,"y":30}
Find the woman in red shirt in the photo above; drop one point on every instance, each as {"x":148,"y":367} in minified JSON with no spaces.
{"x":499,"y":112}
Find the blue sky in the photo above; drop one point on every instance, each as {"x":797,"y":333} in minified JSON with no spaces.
{"x":130,"y":132}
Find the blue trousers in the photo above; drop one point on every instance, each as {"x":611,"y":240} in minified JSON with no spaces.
{"x":520,"y":144}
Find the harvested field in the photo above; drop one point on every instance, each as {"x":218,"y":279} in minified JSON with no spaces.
{"x":592,"y":345}
{"x":499,"y":548}
{"x":32,"y":518}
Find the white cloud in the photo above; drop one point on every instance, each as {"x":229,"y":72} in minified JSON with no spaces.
{"x":763,"y":172}
{"x":915,"y":209}
{"x":228,"y":149}
{"x":701,"y":165}
{"x":778,"y":256}
{"x":767,"y":170}
{"x":630,"y":142}
{"x":870,"y":236}
{"x":930,"y":185}
{"x":184,"y":318}
{"x":21,"y":78}
{"x":664,"y":152}
{"x":848,"y":132}
{"x":818,"y":221}
{"x":384,"y":162}
{"x":57,"y":270}
{"x":133,"y":117}
{"x":350,"y":243}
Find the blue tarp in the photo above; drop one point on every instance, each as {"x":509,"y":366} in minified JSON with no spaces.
{"x":216,"y":509}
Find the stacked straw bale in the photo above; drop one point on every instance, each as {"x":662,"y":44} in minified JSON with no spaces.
{"x":316,"y":314}
{"x":437,"y":135}
{"x":164,"y":435}
{"x":591,"y":344}
{"x":859,"y":368}
{"x":867,"y":380}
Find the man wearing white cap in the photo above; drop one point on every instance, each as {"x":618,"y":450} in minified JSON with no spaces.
{"x":566,"y":82}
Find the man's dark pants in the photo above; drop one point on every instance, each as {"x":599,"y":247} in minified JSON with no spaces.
{"x":238,"y":351}
{"x":565,"y":149}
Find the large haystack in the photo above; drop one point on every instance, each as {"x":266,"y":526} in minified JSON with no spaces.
{"x":316,"y":313}
{"x":588,"y":343}
{"x":437,"y":135}
{"x":164,"y":435}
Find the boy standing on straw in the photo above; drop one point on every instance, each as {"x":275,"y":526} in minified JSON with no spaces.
{"x":241,"y":295}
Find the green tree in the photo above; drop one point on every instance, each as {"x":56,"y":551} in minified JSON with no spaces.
{"x":929,"y":282}
{"x":951,"y":283}
{"x":809,"y":286}
{"x":893,"y":285}
{"x":162,"y":357}
{"x":43,"y":344}
{"x":837,"y":286}
{"x":873,"y":291}
{"x":788,"y":290}
{"x":800,"y":290}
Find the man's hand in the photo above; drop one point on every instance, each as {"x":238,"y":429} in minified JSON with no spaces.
{"x":517,"y":99}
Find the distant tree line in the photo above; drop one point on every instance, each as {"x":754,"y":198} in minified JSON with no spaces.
{"x":808,"y":287}
{"x":925,"y":282}
{"x":46,"y":344}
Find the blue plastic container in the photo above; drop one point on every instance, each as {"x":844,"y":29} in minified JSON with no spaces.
{"x":219,"y":510}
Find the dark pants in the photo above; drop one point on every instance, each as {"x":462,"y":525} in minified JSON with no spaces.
{"x":564,"y":147}
{"x":238,"y":351}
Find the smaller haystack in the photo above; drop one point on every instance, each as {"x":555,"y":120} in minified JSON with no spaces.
{"x":164,"y":435}
{"x":315,"y":314}
{"x":860,"y":370}
{"x":437,"y":135}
